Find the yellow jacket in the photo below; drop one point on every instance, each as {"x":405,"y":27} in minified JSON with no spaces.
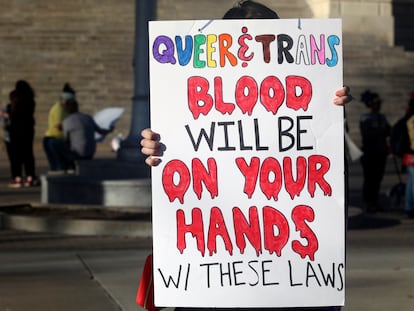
{"x":56,"y":115}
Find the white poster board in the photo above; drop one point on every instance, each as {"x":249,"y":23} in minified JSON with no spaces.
{"x":248,"y":201}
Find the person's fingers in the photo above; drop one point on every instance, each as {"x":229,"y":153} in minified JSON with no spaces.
{"x":152,"y":151}
{"x":152,"y":161}
{"x":342,"y":100}
{"x":146,"y":133}
{"x":149,"y":134}
{"x":342,"y":91}
{"x":150,"y":144}
{"x":342,"y":96}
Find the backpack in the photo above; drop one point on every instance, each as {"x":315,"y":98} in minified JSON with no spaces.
{"x":399,"y":140}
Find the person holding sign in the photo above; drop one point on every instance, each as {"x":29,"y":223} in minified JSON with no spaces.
{"x":258,"y":222}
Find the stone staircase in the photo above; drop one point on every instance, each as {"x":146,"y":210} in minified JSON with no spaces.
{"x":386,"y":70}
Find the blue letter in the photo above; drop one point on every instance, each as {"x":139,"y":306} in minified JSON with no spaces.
{"x":332,"y":41}
{"x":184,"y":56}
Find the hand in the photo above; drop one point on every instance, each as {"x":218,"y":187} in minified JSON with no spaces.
{"x":151,"y":147}
{"x":342,"y":96}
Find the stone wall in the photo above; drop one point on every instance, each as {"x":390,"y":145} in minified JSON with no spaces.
{"x":88,"y":43}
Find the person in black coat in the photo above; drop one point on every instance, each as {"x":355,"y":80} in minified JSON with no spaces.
{"x":22,"y":123}
{"x":375,"y":131}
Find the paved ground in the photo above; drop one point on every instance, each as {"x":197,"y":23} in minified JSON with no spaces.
{"x":43,"y":271}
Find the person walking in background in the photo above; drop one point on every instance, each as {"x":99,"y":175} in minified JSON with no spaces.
{"x":375,"y":130}
{"x":22,"y":131}
{"x":54,"y":133}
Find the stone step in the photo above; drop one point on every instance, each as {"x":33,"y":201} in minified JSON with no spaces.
{"x":113,"y":169}
{"x":84,"y":220}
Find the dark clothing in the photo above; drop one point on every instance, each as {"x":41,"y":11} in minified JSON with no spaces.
{"x":373,"y":170}
{"x":55,"y":149}
{"x":21,"y":147}
{"x":399,"y":139}
{"x":21,"y":137}
{"x":374,"y":131}
{"x":22,"y":116}
{"x":6,"y":133}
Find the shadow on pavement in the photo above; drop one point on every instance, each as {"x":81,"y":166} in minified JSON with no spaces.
{"x":369,"y":221}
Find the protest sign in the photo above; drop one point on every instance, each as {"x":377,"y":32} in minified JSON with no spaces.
{"x":248,"y":201}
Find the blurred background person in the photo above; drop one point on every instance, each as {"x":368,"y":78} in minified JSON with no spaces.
{"x":407,"y":149}
{"x":22,"y":123}
{"x":5,"y":118}
{"x":79,"y":135}
{"x":54,"y":133}
{"x":375,"y":130}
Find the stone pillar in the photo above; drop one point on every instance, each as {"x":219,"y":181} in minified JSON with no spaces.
{"x":404,"y":23}
{"x":140,"y":118}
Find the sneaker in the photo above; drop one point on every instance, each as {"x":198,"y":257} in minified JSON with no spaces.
{"x":16,"y":183}
{"x":28,"y":181}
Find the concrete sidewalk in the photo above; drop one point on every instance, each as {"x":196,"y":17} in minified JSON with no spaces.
{"x":52,"y":271}
{"x":70,"y":280}
{"x":45,"y":271}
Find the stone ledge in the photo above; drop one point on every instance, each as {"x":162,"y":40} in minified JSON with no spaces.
{"x":77,"y":226}
{"x":113,"y":168}
{"x":85,"y":190}
{"x":91,"y":220}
